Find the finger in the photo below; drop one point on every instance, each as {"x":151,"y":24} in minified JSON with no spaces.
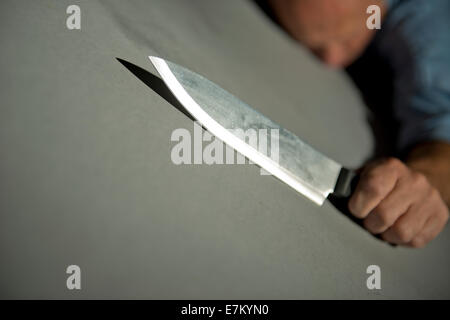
{"x":433,"y":226}
{"x":430,"y":231}
{"x":396,"y":203}
{"x":409,"y":224}
{"x":375,"y":183}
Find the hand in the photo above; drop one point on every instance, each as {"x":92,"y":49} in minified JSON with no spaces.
{"x":399,"y":204}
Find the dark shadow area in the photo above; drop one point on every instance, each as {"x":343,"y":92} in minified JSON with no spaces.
{"x":374,"y":78}
{"x":264,"y":6}
{"x":156,"y":84}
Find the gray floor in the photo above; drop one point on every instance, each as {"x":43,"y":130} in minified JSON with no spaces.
{"x":86,"y":176}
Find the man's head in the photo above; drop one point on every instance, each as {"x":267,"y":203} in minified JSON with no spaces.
{"x":334,"y":30}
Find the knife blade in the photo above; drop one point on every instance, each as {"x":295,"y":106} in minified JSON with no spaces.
{"x":299,"y":165}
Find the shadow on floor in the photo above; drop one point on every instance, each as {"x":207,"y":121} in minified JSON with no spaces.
{"x":156,"y":84}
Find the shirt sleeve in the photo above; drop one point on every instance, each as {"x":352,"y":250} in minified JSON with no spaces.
{"x":417,"y":43}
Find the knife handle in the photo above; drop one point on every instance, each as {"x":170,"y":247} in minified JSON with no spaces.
{"x":346,"y":183}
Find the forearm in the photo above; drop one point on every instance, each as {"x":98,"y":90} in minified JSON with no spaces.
{"x":433,"y":160}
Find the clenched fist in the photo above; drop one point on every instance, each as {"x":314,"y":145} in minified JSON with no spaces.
{"x":398,"y":203}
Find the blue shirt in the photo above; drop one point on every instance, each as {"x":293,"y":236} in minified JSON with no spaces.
{"x":415,"y":39}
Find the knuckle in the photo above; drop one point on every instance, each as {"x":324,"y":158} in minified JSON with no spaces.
{"x":445,"y":216}
{"x":439,"y":205}
{"x":393,"y":163}
{"x":403,"y":232}
{"x":372,"y":186}
{"x":419,"y":180}
{"x":435,"y":195}
{"x":383,"y":216}
{"x":354,"y":209}
{"x":418,"y":242}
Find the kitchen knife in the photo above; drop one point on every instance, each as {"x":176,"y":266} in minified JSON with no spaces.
{"x":299,"y":165}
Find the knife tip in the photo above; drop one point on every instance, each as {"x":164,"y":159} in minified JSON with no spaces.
{"x":154,"y":59}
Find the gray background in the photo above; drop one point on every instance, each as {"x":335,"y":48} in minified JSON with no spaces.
{"x":86,"y":176}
